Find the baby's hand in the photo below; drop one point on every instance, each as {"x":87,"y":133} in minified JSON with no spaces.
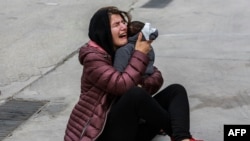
{"x":139,"y":85}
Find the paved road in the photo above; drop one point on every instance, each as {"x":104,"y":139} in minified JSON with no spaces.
{"x":203,"y":45}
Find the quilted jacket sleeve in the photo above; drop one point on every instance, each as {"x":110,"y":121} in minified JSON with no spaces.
{"x":153,"y":82}
{"x":99,"y":72}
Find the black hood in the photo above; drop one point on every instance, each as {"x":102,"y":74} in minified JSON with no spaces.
{"x":100,"y":32}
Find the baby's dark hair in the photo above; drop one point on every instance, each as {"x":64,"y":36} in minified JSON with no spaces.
{"x":135,"y":27}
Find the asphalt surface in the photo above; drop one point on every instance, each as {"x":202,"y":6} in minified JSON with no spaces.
{"x":203,"y":45}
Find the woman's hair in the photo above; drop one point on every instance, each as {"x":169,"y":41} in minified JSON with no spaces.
{"x":135,"y":27}
{"x":100,"y":30}
{"x":114,"y":10}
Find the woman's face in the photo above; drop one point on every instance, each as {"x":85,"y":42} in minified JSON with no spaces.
{"x":118,"y":30}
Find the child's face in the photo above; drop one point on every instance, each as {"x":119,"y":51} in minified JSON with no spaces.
{"x":118,"y":30}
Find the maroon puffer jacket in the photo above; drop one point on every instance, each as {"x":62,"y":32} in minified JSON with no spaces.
{"x":100,"y":83}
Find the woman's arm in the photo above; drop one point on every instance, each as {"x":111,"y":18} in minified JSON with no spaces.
{"x":153,"y":82}
{"x":99,"y":70}
{"x":101,"y":74}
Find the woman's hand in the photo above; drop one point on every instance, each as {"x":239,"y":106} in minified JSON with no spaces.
{"x":142,"y":46}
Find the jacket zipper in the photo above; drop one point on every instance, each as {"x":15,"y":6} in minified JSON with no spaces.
{"x":105,"y":120}
{"x":85,"y":127}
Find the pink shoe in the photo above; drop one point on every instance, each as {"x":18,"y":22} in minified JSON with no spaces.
{"x":192,"y":139}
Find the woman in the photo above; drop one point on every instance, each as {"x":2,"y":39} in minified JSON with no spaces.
{"x":111,"y":107}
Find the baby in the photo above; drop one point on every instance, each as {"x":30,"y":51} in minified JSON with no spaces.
{"x":124,"y":53}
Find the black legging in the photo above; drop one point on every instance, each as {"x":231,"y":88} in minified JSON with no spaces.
{"x":136,"y":116}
